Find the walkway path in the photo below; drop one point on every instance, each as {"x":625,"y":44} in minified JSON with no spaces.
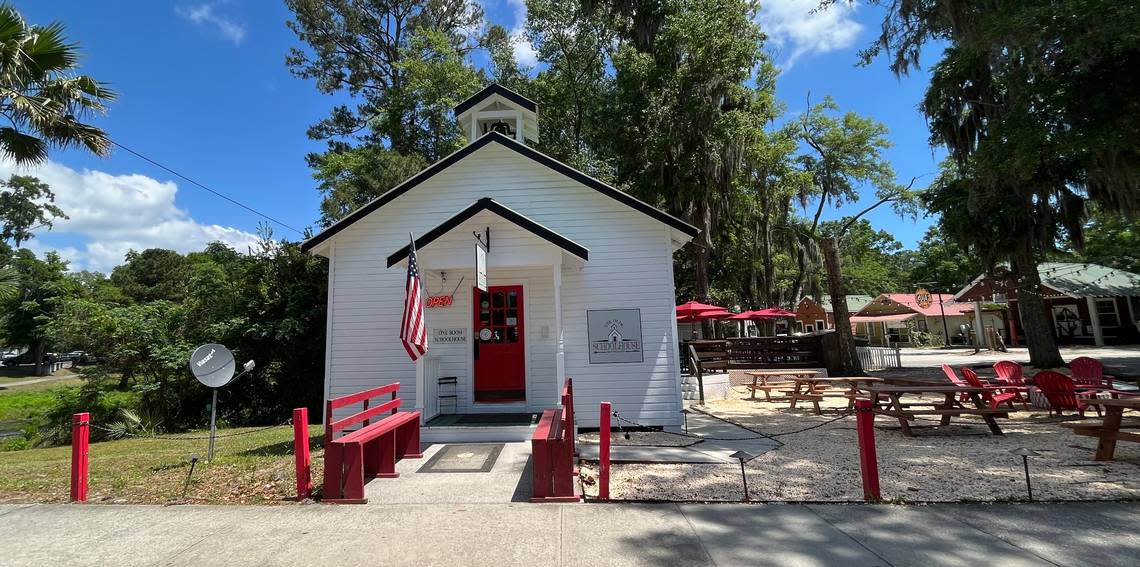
{"x":575,"y":534}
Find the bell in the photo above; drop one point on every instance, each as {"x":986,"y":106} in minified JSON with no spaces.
{"x":502,"y":127}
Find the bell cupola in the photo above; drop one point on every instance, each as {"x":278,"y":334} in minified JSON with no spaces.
{"x":498,"y":109}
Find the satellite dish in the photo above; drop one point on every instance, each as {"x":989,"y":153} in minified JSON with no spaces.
{"x":213,"y":365}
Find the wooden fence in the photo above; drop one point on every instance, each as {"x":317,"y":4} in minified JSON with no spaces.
{"x":879,"y":358}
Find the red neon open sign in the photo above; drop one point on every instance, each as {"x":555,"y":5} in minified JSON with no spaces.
{"x":439,"y":301}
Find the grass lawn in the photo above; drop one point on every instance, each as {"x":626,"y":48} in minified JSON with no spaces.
{"x":248,"y":469}
{"x":21,"y":404}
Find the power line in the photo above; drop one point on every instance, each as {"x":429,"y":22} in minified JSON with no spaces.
{"x":216,"y":193}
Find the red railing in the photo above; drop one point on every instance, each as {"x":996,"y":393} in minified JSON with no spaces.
{"x":365,"y":414}
{"x":552,"y":449}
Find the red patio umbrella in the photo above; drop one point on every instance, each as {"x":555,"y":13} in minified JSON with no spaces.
{"x":774,"y":312}
{"x":694,"y":311}
{"x":748,"y":316}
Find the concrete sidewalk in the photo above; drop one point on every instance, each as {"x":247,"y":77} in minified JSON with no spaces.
{"x":575,"y":534}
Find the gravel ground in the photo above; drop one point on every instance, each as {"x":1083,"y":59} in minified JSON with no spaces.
{"x":641,"y":438}
{"x":961,"y":462}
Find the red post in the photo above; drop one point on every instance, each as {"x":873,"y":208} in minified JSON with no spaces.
{"x":868,"y":460}
{"x":301,"y":452}
{"x":604,"y":452}
{"x":80,"y":433}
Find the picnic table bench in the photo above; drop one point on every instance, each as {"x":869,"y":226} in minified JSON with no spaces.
{"x":950,"y":406}
{"x":764,"y":377}
{"x":814,"y":388}
{"x":1109,"y":431}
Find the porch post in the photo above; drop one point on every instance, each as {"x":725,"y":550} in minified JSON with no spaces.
{"x":421,"y":385}
{"x":1098,"y":333}
{"x":1132,"y":312}
{"x":559,"y":344}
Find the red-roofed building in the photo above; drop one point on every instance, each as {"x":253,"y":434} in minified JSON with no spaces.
{"x":885,"y":320}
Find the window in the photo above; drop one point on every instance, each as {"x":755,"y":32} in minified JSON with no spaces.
{"x":1106,"y":313}
{"x":809,"y":329}
{"x":800,"y":326}
{"x":819,"y":325}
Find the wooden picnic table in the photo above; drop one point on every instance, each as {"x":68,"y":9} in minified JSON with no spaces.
{"x":1108,"y":431}
{"x":812,"y":388}
{"x":951,"y":405}
{"x":764,"y":377}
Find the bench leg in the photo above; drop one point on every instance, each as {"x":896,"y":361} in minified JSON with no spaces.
{"x":387,"y":444}
{"x":353,"y":472}
{"x":372,"y":458}
{"x":408,"y":441}
{"x":1106,"y":447}
{"x":334,"y":461}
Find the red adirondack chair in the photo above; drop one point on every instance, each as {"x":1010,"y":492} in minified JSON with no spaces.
{"x":992,"y":399}
{"x":1010,"y":374}
{"x":1089,"y":372}
{"x":955,"y":380}
{"x":1060,"y":392}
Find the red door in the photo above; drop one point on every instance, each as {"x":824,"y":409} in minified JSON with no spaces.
{"x":500,"y":365}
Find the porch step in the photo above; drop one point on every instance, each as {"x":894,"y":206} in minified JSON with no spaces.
{"x":475,"y":433}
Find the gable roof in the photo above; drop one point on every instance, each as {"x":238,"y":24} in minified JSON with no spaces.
{"x":489,"y":204}
{"x":495,"y":89}
{"x":906,"y":301}
{"x":519,"y":148}
{"x":1072,"y":279}
{"x":854,"y":302}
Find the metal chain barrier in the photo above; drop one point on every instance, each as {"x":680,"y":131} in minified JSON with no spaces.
{"x":123,"y":434}
{"x":760,"y":434}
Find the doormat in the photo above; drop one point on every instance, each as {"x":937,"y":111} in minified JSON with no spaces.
{"x":463,"y":458}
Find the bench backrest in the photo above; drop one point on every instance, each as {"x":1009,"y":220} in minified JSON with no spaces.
{"x":1009,"y":372}
{"x":368,"y":410}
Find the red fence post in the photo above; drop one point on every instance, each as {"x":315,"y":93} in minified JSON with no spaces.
{"x":868,"y":460}
{"x":301,"y":453}
{"x":604,"y":452}
{"x":80,"y":433}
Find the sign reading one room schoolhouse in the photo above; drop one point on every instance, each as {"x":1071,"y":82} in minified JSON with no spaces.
{"x":529,"y":315}
{"x":615,"y":335}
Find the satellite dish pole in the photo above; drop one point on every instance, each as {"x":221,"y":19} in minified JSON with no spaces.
{"x":213,"y":365}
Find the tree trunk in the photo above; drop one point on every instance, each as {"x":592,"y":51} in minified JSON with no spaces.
{"x":38,"y":353}
{"x":1036,"y":325}
{"x":703,"y":246}
{"x":848,"y":357}
{"x":801,"y":275}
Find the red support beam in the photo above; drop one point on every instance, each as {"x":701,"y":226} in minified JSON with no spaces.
{"x":301,"y":453}
{"x":868,"y":460}
{"x":80,"y":434}
{"x":604,"y":452}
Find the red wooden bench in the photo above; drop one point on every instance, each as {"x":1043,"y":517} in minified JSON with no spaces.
{"x":552,"y":451}
{"x":372,"y":450}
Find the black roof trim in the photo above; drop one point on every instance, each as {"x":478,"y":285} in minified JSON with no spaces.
{"x":496,"y":89}
{"x":489,"y":204}
{"x":519,"y":148}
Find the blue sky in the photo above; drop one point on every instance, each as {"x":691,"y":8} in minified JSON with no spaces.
{"x":204,"y":90}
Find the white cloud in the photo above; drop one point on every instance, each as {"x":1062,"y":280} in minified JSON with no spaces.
{"x":117,"y":213}
{"x":525,"y":53}
{"x":206,"y":14}
{"x":797,"y":31}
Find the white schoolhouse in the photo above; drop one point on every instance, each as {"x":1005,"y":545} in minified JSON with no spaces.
{"x":579,"y":279}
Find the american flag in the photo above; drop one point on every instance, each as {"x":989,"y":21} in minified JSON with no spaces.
{"x":413,"y":330}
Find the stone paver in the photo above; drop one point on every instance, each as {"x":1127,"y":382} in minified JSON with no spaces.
{"x":1074,"y":534}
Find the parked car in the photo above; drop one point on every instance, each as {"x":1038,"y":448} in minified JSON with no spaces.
{"x":78,"y":357}
{"x":29,"y":358}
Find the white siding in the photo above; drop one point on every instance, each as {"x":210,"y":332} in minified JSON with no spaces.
{"x":629,"y":266}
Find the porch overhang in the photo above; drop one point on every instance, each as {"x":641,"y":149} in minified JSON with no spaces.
{"x":490,"y":205}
